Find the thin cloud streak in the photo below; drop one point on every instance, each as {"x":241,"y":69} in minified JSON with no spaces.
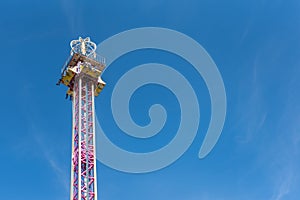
{"x":56,"y":167}
{"x":254,"y":112}
{"x":288,"y":158}
{"x":284,"y":189}
{"x":73,"y":15}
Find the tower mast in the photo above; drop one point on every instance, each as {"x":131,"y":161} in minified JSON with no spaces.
{"x":81,"y":74}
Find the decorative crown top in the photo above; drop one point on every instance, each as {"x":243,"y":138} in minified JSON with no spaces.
{"x":83,"y":46}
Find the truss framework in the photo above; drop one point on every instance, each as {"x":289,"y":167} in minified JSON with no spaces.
{"x":83,"y":172}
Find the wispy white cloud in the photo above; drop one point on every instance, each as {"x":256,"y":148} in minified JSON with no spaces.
{"x":251,"y":110}
{"x":287,"y":160}
{"x":284,"y":185}
{"x":39,"y":142}
{"x":57,"y":167}
{"x":73,"y":14}
{"x":270,"y":116}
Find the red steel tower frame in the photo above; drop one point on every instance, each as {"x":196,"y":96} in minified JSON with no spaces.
{"x":81,"y":74}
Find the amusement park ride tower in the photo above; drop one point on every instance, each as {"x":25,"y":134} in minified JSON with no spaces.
{"x":81,"y":74}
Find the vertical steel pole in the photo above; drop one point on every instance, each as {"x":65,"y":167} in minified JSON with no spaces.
{"x":79,"y":139}
{"x":75,"y":145}
{"x":73,"y":141}
{"x":86,"y":138}
{"x":94,"y":144}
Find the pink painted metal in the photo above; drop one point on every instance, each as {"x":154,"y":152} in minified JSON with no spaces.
{"x":81,"y":74}
{"x":83,"y":156}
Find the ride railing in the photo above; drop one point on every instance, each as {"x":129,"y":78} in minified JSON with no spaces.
{"x":97,"y":57}
{"x":65,"y":66}
{"x":93,"y":56}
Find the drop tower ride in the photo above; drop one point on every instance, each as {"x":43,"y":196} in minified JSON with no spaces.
{"x":82,"y":75}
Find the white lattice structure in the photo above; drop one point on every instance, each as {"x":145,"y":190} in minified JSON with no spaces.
{"x":81,"y":74}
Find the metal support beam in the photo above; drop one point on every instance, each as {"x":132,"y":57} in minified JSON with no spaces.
{"x":83,"y":175}
{"x":81,"y":74}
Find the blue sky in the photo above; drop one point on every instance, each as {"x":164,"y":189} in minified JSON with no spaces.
{"x":256,"y":47}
